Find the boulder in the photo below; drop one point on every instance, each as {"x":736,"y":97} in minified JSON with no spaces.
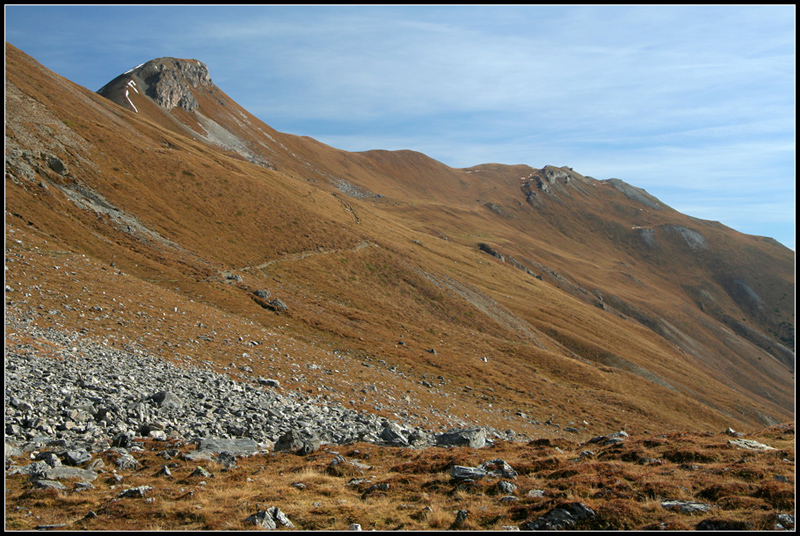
{"x":63,"y":472}
{"x":461,"y":517}
{"x":463,"y":437}
{"x":270,"y":519}
{"x":48,"y":484}
{"x":460,"y":472}
{"x":686,"y":507}
{"x":498,"y":468}
{"x":202,"y":472}
{"x":749,"y":444}
{"x":393,"y":434}
{"x":566,"y":516}
{"x":297,"y":442}
{"x":167,"y":400}
{"x":278,"y":305}
{"x":137,"y":492}
{"x":76,"y":457}
{"x":341,"y":466}
{"x":505,"y":487}
{"x":242,"y":446}
{"x":262,"y":293}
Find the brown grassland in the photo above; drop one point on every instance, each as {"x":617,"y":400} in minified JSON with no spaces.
{"x":625,"y":484}
{"x":601,"y":331}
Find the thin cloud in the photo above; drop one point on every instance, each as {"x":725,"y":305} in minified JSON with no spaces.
{"x":663,"y":97}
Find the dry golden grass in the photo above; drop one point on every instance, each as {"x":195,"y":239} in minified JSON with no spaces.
{"x":512,"y":351}
{"x":421,"y":495}
{"x":549,"y":351}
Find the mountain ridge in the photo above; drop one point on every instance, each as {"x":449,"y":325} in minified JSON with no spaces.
{"x":587,"y":267}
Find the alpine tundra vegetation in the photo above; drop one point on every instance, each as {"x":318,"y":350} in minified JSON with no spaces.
{"x":213,"y":325}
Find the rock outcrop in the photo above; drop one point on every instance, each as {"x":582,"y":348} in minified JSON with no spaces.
{"x":169,"y":81}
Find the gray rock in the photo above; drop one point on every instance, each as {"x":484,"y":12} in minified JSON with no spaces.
{"x":686,"y":507}
{"x":393,"y":434}
{"x":562,"y":517}
{"x":270,"y":519}
{"x":381,"y":486}
{"x":167,"y":400}
{"x":48,"y":484}
{"x":269,"y":382}
{"x":498,"y":468}
{"x":280,"y":518}
{"x":84,"y":486}
{"x":342,"y":466}
{"x":57,"y":165}
{"x":164,"y":471}
{"x":123,"y":440}
{"x":126,"y":462}
{"x":786,"y":521}
{"x":296,"y":441}
{"x":692,"y":238}
{"x":464,"y":437}
{"x":262,"y":519}
{"x":158,"y":435}
{"x":50,"y":458}
{"x":109,"y":400}
{"x":76,"y":457}
{"x":238,"y":446}
{"x":135,"y":493}
{"x":278,"y":305}
{"x":637,"y":194}
{"x":170,"y":81}
{"x":65,"y":472}
{"x":33,"y":470}
{"x":461,"y":516}
{"x":460,"y":472}
{"x":227,"y":460}
{"x":505,"y":487}
{"x":749,"y":444}
{"x":201,"y":472}
{"x":610,"y":439}
{"x":95,"y":465}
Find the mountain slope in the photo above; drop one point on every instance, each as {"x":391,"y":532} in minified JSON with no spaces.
{"x":522,"y":298}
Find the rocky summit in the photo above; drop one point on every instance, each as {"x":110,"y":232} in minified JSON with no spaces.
{"x":167,"y":81}
{"x":213,"y":325}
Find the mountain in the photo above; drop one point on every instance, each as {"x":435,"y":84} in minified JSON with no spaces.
{"x":533,"y":299}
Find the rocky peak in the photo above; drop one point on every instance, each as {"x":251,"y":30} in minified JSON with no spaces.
{"x":551,"y":181}
{"x":169,"y":81}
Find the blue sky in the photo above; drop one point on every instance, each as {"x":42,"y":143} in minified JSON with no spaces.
{"x":695,"y":104}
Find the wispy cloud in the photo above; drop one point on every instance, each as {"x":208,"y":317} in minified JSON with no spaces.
{"x":670,"y":98}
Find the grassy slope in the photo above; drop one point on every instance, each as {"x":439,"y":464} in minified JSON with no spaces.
{"x":624,"y":485}
{"x":229,"y":215}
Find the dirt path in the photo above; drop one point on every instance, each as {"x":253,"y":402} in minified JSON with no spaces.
{"x":299,"y":256}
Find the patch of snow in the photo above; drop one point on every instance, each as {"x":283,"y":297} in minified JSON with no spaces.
{"x":129,"y":101}
{"x":131,"y":70}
